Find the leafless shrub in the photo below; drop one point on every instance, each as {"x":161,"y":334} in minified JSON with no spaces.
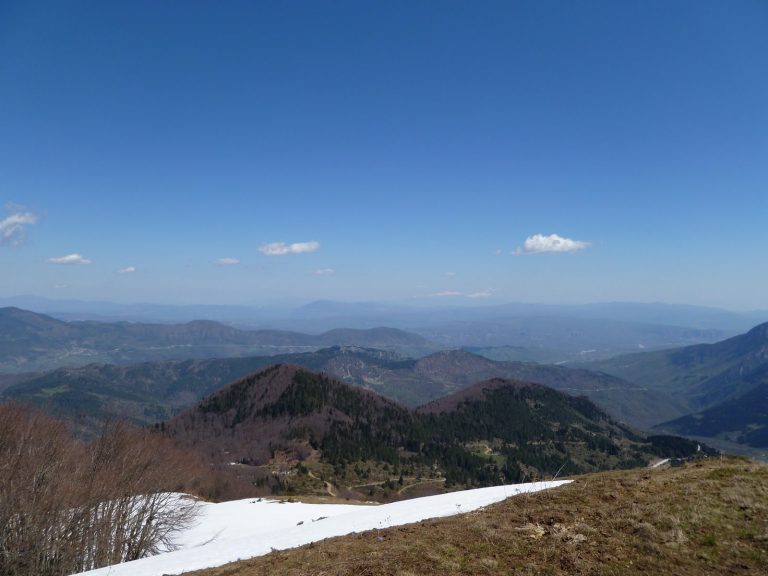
{"x":67,"y":507}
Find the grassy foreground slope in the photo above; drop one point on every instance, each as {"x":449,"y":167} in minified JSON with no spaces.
{"x":708,"y":517}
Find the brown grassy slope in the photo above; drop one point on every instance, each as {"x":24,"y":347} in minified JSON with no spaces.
{"x":709,"y":517}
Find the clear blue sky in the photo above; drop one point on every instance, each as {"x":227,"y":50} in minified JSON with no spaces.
{"x":418,"y":144}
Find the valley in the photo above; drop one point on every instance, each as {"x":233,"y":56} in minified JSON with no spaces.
{"x":371,"y":425}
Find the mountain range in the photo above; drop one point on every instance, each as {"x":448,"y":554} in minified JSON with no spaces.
{"x":713,"y":390}
{"x":322,"y":315}
{"x":723,"y":386}
{"x":35,"y":342}
{"x":494,"y":431}
{"x":154,"y":391}
{"x":540,"y":332}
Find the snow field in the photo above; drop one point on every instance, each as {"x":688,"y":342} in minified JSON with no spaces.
{"x":248,"y":528}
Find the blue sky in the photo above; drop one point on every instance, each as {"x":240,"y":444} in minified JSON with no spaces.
{"x":397,"y":150}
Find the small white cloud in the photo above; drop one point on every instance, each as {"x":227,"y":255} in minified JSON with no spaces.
{"x":497,"y":252}
{"x":281,"y":248}
{"x":481,"y":295}
{"x":539,"y":243}
{"x":450,"y":274}
{"x":227,"y":261}
{"x":324,"y":272}
{"x":127,"y":270}
{"x":70,"y":259}
{"x":13,"y":227}
{"x":457,"y":294}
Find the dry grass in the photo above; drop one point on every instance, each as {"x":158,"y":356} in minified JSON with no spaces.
{"x":709,"y":517}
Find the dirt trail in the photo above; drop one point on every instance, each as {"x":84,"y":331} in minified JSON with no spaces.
{"x":328,"y":486}
{"x":420,"y":483}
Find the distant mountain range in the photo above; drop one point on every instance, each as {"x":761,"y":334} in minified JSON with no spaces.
{"x":723,"y":386}
{"x":89,"y":370}
{"x":35,"y":342}
{"x":153,"y":391}
{"x":494,"y":431}
{"x":538,"y":332}
{"x":323,"y":315}
{"x":562,"y":338}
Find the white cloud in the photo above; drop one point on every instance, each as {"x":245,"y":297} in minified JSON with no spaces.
{"x":281,"y":248}
{"x":539,"y":243}
{"x":324,"y":272}
{"x":227,"y":261}
{"x":12,"y":228}
{"x":497,"y":252}
{"x":127,"y":270}
{"x":450,"y":274}
{"x":480,"y":295}
{"x":457,"y":294}
{"x":70,"y":259}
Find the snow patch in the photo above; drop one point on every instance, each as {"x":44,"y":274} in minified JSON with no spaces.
{"x":248,"y":528}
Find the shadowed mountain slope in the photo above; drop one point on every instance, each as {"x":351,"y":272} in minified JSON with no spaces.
{"x":493,"y":431}
{"x":723,"y":386}
{"x":702,"y":374}
{"x":743,"y":419}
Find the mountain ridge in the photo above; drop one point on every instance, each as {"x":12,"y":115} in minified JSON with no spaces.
{"x":724,"y":386}
{"x":496,"y":430}
{"x":33,"y":342}
{"x":153,"y":391}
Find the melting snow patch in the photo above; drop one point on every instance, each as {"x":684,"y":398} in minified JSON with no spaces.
{"x":244,"y":529}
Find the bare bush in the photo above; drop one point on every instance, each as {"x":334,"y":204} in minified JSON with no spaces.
{"x":67,"y":507}
{"x":36,"y":453}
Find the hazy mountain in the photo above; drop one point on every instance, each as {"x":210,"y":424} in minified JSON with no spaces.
{"x":144,"y":312}
{"x":31,"y":341}
{"x":428,"y":313}
{"x":562,"y":338}
{"x":8,"y":380}
{"x":700,"y":375}
{"x":552,"y":332}
{"x":743,"y":419}
{"x":723,"y":386}
{"x":153,"y":391}
{"x":414,"y":382}
{"x":490,"y":432}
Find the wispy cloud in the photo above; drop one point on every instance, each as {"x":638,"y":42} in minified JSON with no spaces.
{"x":497,"y":252}
{"x":70,"y":259}
{"x":13,"y":227}
{"x":450,"y":274}
{"x":456,"y":294}
{"x":480,"y":295}
{"x":324,"y":272}
{"x":539,"y":243}
{"x":227,"y":261}
{"x":127,"y":270}
{"x":281,"y":248}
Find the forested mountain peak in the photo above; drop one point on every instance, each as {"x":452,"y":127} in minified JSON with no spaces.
{"x":496,"y":430}
{"x":475,"y":393}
